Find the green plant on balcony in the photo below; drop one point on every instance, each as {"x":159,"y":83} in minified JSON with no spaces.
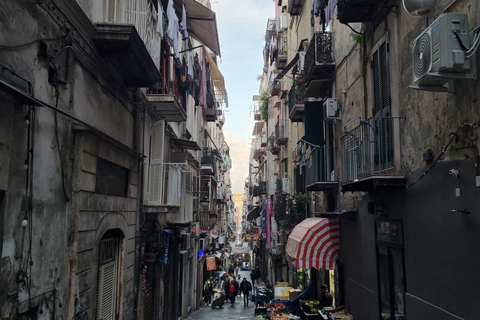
{"x":264,"y":105}
{"x":290,"y":211}
{"x":300,"y":91}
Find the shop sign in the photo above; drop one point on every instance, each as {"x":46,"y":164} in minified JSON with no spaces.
{"x":211,"y":264}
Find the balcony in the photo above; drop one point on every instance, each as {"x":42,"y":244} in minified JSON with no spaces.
{"x":368,"y":159}
{"x":211,"y":113}
{"x":295,"y":7}
{"x":282,"y":185}
{"x":260,"y":189}
{"x":258,"y":153}
{"x":167,"y":106}
{"x":272,"y":146}
{"x":274,"y":87}
{"x":356,"y":10}
{"x":319,"y":63}
{"x":207,"y":165}
{"x":296,"y":103}
{"x":123,"y":48}
{"x":273,"y":26}
{"x":282,"y":53}
{"x":317,"y":175}
{"x":281,"y":132}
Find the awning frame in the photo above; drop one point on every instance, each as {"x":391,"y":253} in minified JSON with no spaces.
{"x":314,"y":243}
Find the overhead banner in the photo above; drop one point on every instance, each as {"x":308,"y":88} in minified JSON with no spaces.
{"x":211,"y":264}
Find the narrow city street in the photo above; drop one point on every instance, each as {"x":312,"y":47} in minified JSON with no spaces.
{"x":236,"y":311}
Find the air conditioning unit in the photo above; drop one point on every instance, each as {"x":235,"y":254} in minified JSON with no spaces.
{"x":201,"y":244}
{"x":284,"y":21}
{"x":439,"y":53}
{"x":332,"y":109}
{"x":185,"y":241}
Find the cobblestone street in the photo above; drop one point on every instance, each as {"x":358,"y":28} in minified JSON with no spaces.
{"x":235,"y":312}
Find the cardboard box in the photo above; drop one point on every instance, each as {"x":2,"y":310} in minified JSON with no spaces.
{"x":281,"y":284}
{"x":281,"y":292}
{"x":293,"y":293}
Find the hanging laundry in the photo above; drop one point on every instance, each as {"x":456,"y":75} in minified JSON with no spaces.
{"x":183,"y":24}
{"x":173,"y":28}
{"x":203,"y":87}
{"x":160,"y":19}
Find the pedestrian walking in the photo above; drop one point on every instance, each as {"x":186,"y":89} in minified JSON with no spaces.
{"x":207,"y":291}
{"x":237,"y":268}
{"x":245,"y":288}
{"x":233,"y":290}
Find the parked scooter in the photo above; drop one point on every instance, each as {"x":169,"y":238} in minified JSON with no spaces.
{"x":218,"y":298}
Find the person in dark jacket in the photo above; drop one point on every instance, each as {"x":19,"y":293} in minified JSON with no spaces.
{"x":232,"y":290}
{"x":245,"y":288}
{"x":326,"y":298}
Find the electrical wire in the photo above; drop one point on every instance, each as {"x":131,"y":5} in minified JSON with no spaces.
{"x":17,"y":46}
{"x":57,"y":140}
{"x":454,"y":135}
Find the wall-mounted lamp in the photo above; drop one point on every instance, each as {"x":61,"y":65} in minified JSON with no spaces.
{"x":27,"y":120}
{"x":25,"y":165}
{"x":454,"y":173}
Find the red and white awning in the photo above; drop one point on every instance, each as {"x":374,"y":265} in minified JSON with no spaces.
{"x":314,"y":243}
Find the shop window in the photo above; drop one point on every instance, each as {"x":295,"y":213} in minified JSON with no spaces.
{"x":391,"y":274}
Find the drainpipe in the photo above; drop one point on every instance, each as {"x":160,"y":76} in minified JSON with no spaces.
{"x":74,"y":218}
{"x":138,"y":145}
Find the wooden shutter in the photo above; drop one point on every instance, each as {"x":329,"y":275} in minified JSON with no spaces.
{"x":382,"y":120}
{"x":107,"y":291}
{"x":155,"y":186}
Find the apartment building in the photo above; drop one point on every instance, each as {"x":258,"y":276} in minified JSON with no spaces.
{"x":382,"y":150}
{"x":113,"y":159}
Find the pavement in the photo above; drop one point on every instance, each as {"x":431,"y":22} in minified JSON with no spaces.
{"x":236,"y":311}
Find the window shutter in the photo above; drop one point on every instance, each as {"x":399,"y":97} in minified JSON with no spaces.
{"x":106,"y":291}
{"x":155,"y":188}
{"x":382,"y":121}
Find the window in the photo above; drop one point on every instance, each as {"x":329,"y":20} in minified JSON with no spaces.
{"x":155,"y":179}
{"x":111,"y":179}
{"x":391,"y":275}
{"x":382,"y":114}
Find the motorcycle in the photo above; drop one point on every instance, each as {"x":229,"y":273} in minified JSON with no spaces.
{"x":218,"y":298}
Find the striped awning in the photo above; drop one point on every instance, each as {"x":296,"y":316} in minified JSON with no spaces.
{"x":314,"y":243}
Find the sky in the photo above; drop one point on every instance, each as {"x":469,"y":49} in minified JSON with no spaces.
{"x":241,"y":26}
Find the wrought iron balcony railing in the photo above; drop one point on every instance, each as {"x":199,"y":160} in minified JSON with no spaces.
{"x":317,"y":171}
{"x":296,"y":103}
{"x":281,"y":132}
{"x":319,"y":60}
{"x":273,"y":26}
{"x":368,"y":150}
{"x":295,"y":7}
{"x":274,"y":87}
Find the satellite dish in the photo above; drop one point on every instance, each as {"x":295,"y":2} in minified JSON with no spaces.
{"x":419,"y":7}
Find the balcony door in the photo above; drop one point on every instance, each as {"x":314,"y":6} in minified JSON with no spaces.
{"x":382,"y":113}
